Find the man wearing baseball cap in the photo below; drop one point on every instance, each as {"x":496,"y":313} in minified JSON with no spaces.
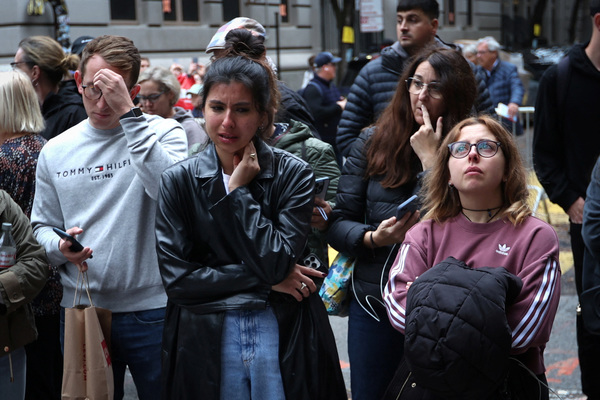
{"x":79,"y":44}
{"x":324,"y":99}
{"x":195,"y":93}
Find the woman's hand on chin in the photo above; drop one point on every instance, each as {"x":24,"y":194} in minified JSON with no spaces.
{"x":245,"y":167}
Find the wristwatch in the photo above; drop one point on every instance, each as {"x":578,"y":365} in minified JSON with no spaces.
{"x":134,"y":112}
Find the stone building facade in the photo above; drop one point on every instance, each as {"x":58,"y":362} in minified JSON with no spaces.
{"x":308,"y":27}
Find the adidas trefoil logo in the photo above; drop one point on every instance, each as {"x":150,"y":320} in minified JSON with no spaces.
{"x":503,"y":249}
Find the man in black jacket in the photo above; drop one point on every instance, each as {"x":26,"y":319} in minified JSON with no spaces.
{"x":324,"y":99}
{"x":566,"y":145}
{"x":373,"y":88}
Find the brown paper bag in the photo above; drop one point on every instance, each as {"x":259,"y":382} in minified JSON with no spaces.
{"x":87,"y":372}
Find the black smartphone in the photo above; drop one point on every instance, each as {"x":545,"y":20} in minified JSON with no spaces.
{"x":321,"y":186}
{"x":75,"y":245}
{"x":195,"y":60}
{"x":312,"y":261}
{"x":410,"y":205}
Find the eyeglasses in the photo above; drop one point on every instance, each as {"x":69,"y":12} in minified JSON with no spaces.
{"x":480,"y":52}
{"x":91,"y":93}
{"x":151,"y":97}
{"x":416,"y":86}
{"x":15,"y":64}
{"x":485,"y":148}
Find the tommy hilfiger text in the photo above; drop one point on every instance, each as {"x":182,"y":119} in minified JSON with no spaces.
{"x":98,"y":169}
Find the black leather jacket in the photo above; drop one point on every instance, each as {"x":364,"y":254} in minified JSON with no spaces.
{"x":220,"y":252}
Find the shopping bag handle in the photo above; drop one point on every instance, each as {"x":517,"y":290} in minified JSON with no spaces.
{"x":79,"y":288}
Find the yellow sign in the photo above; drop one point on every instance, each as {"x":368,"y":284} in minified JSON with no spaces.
{"x":348,"y":35}
{"x":537,"y":30}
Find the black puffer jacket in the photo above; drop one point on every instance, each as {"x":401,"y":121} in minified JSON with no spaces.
{"x":458,"y":339}
{"x":374,"y":87}
{"x":361,"y":205}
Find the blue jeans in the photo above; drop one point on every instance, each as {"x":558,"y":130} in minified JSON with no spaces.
{"x":375,"y":350}
{"x":136,"y":339}
{"x":250,"y":356}
{"x":13,"y":390}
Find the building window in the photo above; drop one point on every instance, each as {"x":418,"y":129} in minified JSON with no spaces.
{"x":182,"y":10}
{"x":284,"y":10}
{"x":451,"y":16}
{"x":231,"y":9}
{"x":190,"y":8}
{"x":469,"y":12}
{"x":122,"y":10}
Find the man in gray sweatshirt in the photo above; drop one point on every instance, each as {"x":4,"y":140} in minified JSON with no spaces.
{"x":99,"y":181}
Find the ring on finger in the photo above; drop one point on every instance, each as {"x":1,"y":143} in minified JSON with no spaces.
{"x":253,"y":156}
{"x":302,"y":286}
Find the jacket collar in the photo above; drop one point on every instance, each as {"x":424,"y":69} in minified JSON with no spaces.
{"x":208,"y":165}
{"x":323,"y":81}
{"x":495,"y":66}
{"x":394,"y":57}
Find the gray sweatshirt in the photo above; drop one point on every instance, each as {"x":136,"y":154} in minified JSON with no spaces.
{"x":106,"y":182}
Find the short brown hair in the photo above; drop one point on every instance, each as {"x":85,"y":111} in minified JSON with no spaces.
{"x":118,"y":51}
{"x":443,"y":202}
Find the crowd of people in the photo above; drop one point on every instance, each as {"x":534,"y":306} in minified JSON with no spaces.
{"x":199,"y":212}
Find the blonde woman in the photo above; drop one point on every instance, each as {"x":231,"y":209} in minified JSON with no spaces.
{"x":21,"y":122}
{"x":20,"y":143}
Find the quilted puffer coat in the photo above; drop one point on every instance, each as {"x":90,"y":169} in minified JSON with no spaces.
{"x":458,"y":339}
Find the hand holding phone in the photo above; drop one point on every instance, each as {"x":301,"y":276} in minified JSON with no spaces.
{"x":312,"y":261}
{"x":76,"y":247}
{"x":410,"y":205}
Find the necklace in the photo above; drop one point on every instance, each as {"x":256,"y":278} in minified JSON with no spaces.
{"x":489,"y":211}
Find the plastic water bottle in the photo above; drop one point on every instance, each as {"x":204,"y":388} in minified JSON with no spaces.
{"x":8,"y":247}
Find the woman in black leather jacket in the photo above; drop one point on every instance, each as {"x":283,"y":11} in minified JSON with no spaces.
{"x":436,"y":91}
{"x":241,"y":319}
